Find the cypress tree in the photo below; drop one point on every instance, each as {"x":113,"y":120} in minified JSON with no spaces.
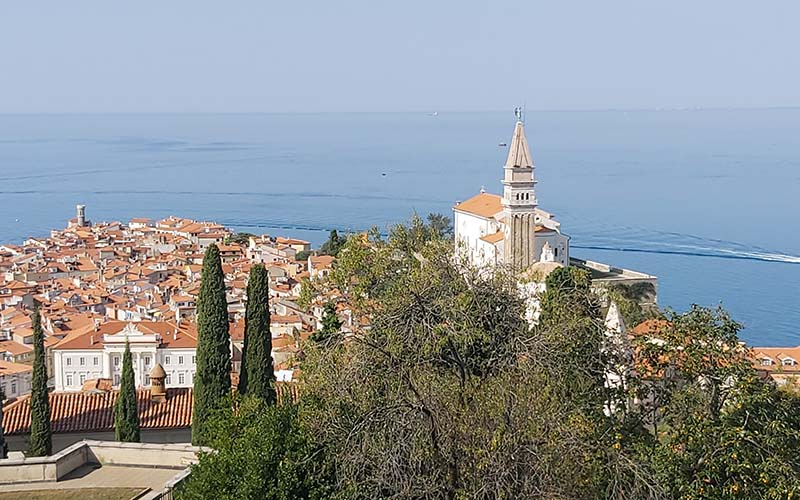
{"x":41,"y":440}
{"x":3,"y":446}
{"x":257,"y":371}
{"x":126,"y":416}
{"x":212,"y":381}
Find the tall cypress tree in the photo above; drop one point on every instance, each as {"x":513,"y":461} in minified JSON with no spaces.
{"x":41,"y":440}
{"x":257,"y":370}
{"x":3,"y":446}
{"x":126,"y":416}
{"x":212,"y":381}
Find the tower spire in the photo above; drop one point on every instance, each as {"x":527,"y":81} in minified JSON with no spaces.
{"x":519,"y":154}
{"x":519,"y":201}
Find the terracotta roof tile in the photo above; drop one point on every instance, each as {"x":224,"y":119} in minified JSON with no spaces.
{"x":82,"y":412}
{"x":484,"y":205}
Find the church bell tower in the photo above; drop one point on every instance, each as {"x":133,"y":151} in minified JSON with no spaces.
{"x":519,"y":202}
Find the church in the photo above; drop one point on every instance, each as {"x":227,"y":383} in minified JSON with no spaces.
{"x":510,"y":230}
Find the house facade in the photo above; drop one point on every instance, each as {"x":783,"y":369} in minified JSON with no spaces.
{"x":97,"y":353}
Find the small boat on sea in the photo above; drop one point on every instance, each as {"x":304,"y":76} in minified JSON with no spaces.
{"x":502,"y":144}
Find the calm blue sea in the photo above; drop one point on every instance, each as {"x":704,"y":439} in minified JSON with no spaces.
{"x":707,"y":200}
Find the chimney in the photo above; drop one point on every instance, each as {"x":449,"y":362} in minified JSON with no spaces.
{"x":91,"y":340}
{"x":175,"y":334}
{"x":158,"y":390}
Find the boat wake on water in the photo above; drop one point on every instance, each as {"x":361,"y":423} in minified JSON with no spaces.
{"x":651,"y":242}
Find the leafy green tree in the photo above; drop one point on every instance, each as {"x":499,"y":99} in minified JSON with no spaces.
{"x":239,"y":238}
{"x":257,"y":377}
{"x":41,"y":440}
{"x":442,"y":225}
{"x":212,"y":382}
{"x":750,"y":451}
{"x":334,"y":244}
{"x":331,"y":324}
{"x":570,"y":322}
{"x":302,"y":256}
{"x":260,"y":451}
{"x":126,"y":414}
{"x":449,"y":393}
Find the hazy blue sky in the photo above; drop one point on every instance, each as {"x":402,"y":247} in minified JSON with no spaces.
{"x":373,"y":55}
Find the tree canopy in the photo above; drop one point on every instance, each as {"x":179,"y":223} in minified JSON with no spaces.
{"x":126,"y":414}
{"x":445,"y":391}
{"x":41,"y":439}
{"x":212,"y":381}
{"x":257,"y":376}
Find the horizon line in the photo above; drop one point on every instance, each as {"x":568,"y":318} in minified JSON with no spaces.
{"x":421,"y":111}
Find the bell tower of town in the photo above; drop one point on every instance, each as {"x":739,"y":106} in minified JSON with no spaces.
{"x":519,"y":202}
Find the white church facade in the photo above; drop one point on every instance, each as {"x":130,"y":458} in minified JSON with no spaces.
{"x":511,"y":230}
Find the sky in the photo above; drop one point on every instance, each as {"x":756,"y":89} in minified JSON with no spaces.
{"x":96,"y":56}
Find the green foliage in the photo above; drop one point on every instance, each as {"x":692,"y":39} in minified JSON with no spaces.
{"x":331,"y":324}
{"x":240,"y":238}
{"x":449,"y":394}
{"x":630,"y":300}
{"x":41,"y":439}
{"x":571,"y":324}
{"x":257,"y":377}
{"x":334,"y":244}
{"x":749,"y":452}
{"x":212,"y":382}
{"x":261,"y":452}
{"x":126,"y":415}
{"x":302,"y":256}
{"x":441,"y":225}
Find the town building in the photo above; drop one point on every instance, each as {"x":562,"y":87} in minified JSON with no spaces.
{"x":97,"y":353}
{"x":512,"y":231}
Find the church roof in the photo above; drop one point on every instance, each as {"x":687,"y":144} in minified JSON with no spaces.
{"x":483,"y":205}
{"x":493,"y":238}
{"x":519,"y":154}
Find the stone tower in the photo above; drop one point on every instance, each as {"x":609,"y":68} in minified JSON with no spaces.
{"x":519,"y":203}
{"x":81,"y":215}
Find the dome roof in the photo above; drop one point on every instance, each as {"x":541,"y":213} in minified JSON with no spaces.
{"x":158,"y":371}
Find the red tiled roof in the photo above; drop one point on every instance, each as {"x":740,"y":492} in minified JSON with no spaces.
{"x":483,"y":205}
{"x":82,"y":412}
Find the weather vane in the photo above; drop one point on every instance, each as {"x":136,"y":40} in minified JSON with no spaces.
{"x":519,"y":113}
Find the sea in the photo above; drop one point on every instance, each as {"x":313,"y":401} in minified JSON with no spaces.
{"x":707,"y":200}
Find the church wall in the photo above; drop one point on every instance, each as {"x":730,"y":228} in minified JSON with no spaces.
{"x":469,"y":229}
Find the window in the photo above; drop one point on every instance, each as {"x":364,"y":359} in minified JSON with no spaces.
{"x":96,"y":360}
{"x":116,"y":360}
{"x":147,"y":380}
{"x":180,"y":360}
{"x":147,"y":361}
{"x":83,"y":378}
{"x":69,"y":380}
{"x":788,"y":362}
{"x":181,"y":379}
{"x":766,"y":362}
{"x":167,"y":360}
{"x":116,"y":379}
{"x":83,"y":361}
{"x":194,"y":360}
{"x":69,"y":361}
{"x":13,"y":387}
{"x":169,"y":379}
